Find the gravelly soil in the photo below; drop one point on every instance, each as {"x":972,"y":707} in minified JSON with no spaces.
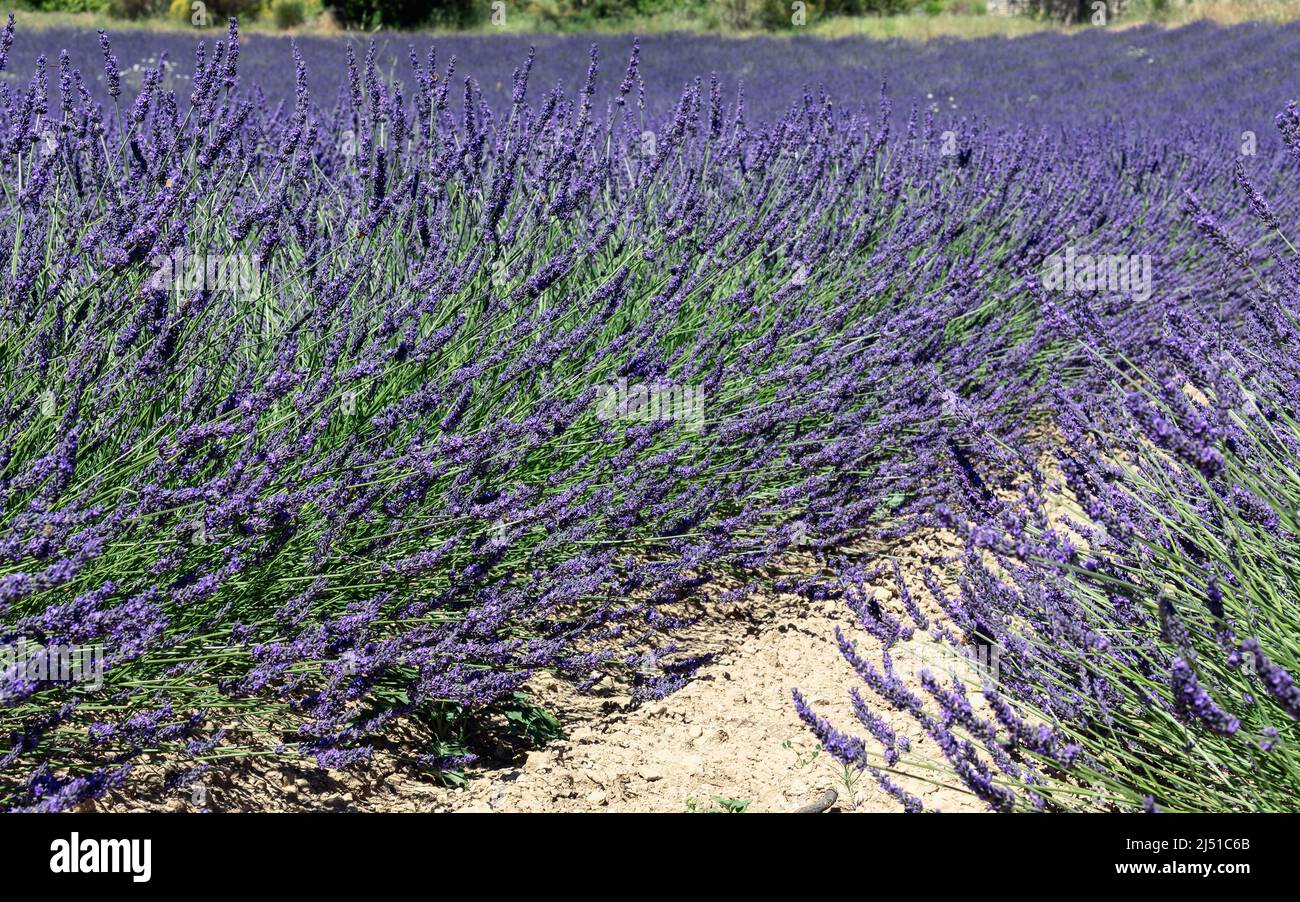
{"x":731,"y":738}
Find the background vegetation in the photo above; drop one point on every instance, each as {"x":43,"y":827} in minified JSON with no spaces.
{"x":829,"y":18}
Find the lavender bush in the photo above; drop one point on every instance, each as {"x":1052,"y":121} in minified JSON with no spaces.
{"x":343,"y":387}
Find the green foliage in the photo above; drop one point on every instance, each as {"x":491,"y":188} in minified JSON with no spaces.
{"x":212,"y":12}
{"x":751,"y":15}
{"x":454,"y":728}
{"x":564,"y":15}
{"x":288,"y":13}
{"x":407,"y":13}
{"x":528,"y":721}
{"x":134,"y":9}
{"x":1148,"y":9}
{"x":220,"y":9}
{"x":572,"y":15}
{"x":576,"y":14}
{"x":720,"y":805}
{"x":865,"y":7}
{"x":69,"y":6}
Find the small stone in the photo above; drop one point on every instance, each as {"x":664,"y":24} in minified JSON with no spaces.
{"x":597,"y":797}
{"x":651,"y":774}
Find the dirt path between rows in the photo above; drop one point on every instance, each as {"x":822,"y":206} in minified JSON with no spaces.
{"x":729,"y":740}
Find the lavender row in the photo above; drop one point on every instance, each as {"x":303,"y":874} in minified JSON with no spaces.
{"x":337,"y":398}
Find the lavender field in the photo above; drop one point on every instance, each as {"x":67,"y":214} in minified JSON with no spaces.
{"x":352,"y":386}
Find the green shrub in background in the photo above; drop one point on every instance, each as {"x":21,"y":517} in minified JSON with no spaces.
{"x":866,"y":7}
{"x":775,"y":15}
{"x":200,"y":13}
{"x":771,"y":15}
{"x":575,"y":14}
{"x":180,"y":11}
{"x":213,"y":13}
{"x":288,"y":13}
{"x":69,"y":6}
{"x":134,"y":9}
{"x":408,"y":13}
